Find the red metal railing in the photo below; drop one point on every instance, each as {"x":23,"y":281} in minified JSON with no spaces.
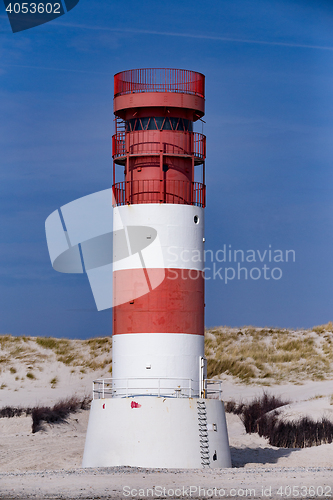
{"x":159,"y":80}
{"x":156,"y":191}
{"x":118,"y":145}
{"x":199,"y":145}
{"x":143,"y":143}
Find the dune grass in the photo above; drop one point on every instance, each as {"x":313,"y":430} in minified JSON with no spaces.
{"x":45,"y":414}
{"x":259,"y":416}
{"x":57,"y":413}
{"x":89,"y":355}
{"x":10,"y":411}
{"x":252,"y":355}
{"x":270,"y":355}
{"x":80,"y":353}
{"x":54,"y":382}
{"x":324,"y":328}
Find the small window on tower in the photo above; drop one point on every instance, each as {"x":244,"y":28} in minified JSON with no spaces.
{"x":144,"y":122}
{"x":159,"y":122}
{"x":188,"y":125}
{"x":152,"y":124}
{"x":167,"y":124}
{"x":174,"y":123}
{"x":138,"y":125}
{"x":181,"y":125}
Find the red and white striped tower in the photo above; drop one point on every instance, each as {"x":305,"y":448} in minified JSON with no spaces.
{"x":158,"y":378}
{"x":161,"y":333}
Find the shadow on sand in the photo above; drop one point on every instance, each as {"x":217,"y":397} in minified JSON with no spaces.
{"x":264,"y":456}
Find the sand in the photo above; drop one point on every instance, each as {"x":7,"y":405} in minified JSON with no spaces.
{"x":139,"y":483}
{"x":47,"y":464}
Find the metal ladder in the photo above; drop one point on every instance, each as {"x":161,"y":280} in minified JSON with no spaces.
{"x":203,"y":433}
{"x":120,"y":125}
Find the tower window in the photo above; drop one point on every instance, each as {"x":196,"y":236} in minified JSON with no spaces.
{"x":159,"y":123}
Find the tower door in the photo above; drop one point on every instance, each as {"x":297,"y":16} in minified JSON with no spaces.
{"x":202,"y":375}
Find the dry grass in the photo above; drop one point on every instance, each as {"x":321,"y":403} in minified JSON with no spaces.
{"x":270,"y":355}
{"x":90,"y":354}
{"x":57,"y":413}
{"x":259,"y":416}
{"x":252,"y":355}
{"x":45,"y":414}
{"x":324,"y":328}
{"x":54,"y":382}
{"x":86,"y":355}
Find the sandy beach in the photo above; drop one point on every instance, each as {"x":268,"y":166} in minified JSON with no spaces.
{"x":47,"y":464}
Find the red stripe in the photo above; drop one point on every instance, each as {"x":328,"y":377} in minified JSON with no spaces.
{"x":175,"y":306}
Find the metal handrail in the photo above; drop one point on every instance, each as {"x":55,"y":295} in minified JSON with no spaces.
{"x":159,"y":80}
{"x":177,"y":192}
{"x":134,"y":143}
{"x":107,"y":388}
{"x":212,"y":392}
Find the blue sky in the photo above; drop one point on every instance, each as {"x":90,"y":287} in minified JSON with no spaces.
{"x":269,"y":124}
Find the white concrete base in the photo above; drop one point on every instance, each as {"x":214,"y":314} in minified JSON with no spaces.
{"x":157,"y":432}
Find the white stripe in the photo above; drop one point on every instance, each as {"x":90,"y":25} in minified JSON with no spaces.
{"x":179,"y":242}
{"x":157,"y":355}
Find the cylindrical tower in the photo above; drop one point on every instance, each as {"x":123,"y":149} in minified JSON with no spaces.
{"x":160,"y":334}
{"x":157,"y":409}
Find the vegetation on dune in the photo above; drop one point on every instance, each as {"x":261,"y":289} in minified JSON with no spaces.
{"x":92,"y":354}
{"x":57,"y":413}
{"x":82,"y":353}
{"x":10,"y":411}
{"x":20,"y":349}
{"x":262,"y":416}
{"x":54,"y":382}
{"x":324,"y":328}
{"x":44,"y":414}
{"x":252,"y":355}
{"x":270,"y":355}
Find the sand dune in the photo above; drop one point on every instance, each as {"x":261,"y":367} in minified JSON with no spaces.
{"x":47,"y":464}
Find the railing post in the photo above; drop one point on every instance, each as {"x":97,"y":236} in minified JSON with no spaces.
{"x":161,"y":174}
{"x":103,"y":389}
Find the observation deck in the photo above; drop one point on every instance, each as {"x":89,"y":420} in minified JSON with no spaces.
{"x":159,"y":80}
{"x":176,"y":88}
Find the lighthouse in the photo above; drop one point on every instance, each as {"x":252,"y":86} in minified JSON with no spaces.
{"x":158,"y":409}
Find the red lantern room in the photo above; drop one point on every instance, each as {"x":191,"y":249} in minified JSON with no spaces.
{"x":154,"y":140}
